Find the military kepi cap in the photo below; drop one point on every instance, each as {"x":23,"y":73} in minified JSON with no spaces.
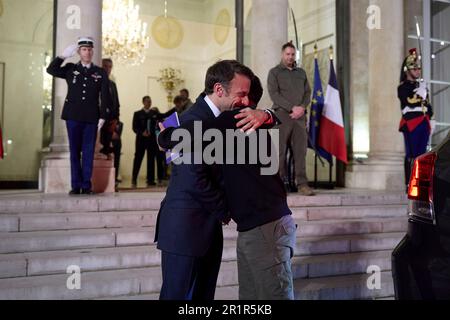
{"x":85,"y":42}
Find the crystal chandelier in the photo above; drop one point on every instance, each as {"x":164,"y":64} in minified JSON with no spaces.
{"x":124,"y":35}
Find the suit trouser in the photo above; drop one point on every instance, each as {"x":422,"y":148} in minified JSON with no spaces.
{"x":106,"y":138}
{"x":293,"y":132}
{"x":191,"y":278}
{"x":142,"y":145}
{"x":117,"y":149}
{"x":161,"y":167}
{"x":82,"y":136}
{"x":264,"y":261}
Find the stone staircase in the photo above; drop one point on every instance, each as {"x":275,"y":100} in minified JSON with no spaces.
{"x":341,"y":233}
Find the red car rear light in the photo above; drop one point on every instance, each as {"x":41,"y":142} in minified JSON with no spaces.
{"x":420,"y":190}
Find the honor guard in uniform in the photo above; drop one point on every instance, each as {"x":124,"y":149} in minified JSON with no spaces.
{"x":416,"y":111}
{"x":84,"y":109}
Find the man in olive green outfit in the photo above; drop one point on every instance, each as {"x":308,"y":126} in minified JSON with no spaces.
{"x":291,"y":94}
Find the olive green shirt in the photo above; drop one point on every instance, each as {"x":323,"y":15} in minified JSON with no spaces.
{"x":288,"y":88}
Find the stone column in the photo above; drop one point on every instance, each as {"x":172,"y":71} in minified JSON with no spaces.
{"x":269,"y":33}
{"x":74,"y":18}
{"x":384,"y":168}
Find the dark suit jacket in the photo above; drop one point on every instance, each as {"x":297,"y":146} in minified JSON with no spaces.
{"x":113,"y":102}
{"x":88,"y":92}
{"x":143,"y":121}
{"x":253,"y":199}
{"x":194,"y":205}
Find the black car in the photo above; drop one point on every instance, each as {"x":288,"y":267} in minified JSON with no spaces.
{"x":421,"y":261}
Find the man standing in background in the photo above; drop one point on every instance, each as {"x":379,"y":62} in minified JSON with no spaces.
{"x":144,"y":126}
{"x":117,"y":149}
{"x":185,"y":94}
{"x":291,"y":94}
{"x":114,"y":111}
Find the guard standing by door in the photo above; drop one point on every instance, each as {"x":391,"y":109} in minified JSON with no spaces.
{"x":416,"y":111}
{"x":84,"y":109}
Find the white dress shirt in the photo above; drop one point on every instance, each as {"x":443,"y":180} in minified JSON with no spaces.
{"x":213,"y":107}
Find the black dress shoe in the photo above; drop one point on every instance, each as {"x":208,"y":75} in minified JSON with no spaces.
{"x":87,"y":192}
{"x":74,"y":192}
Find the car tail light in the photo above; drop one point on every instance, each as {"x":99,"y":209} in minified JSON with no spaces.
{"x":420,"y":190}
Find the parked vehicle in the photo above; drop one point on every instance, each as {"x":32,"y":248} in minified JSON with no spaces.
{"x":421,"y":261}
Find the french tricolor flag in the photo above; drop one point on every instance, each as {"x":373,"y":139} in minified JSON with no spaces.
{"x":332,"y":133}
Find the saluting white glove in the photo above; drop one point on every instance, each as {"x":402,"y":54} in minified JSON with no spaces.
{"x":422,"y":90}
{"x":101,"y":122}
{"x":70,"y":51}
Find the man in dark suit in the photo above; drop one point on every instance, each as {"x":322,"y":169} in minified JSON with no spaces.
{"x":257,"y":202}
{"x":84,"y":110}
{"x":114,"y":111}
{"x":189,"y":227}
{"x":144,"y":126}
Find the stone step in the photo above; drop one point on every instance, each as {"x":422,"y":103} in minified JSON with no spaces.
{"x":128,"y":282}
{"x":348,"y":244}
{"x":74,"y":239}
{"x":17,"y":242}
{"x":96,"y":284}
{"x":222,"y":293}
{"x":355,"y":212}
{"x":57,"y":262}
{"x":349,"y":287}
{"x":304,"y":267}
{"x":127,"y":219}
{"x":339,"y":227}
{"x":50,"y":203}
{"x":346,"y":227}
{"x":71,"y":221}
{"x":57,"y":203}
{"x":347,"y":197}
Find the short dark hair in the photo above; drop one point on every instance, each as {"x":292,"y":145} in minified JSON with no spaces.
{"x":107,"y":60}
{"x":185,"y":91}
{"x":256,"y":90}
{"x":146,"y":97}
{"x":179,"y":99}
{"x":288,"y":45}
{"x":223,"y":72}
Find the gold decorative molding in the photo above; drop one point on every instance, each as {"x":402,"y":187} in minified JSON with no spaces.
{"x":222,"y":26}
{"x":170,"y":79}
{"x":167,"y":32}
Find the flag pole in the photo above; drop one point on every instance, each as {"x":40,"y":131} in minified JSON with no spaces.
{"x":331,"y":52}
{"x":315,"y":171}
{"x":315,"y":154}
{"x":309,"y":137}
